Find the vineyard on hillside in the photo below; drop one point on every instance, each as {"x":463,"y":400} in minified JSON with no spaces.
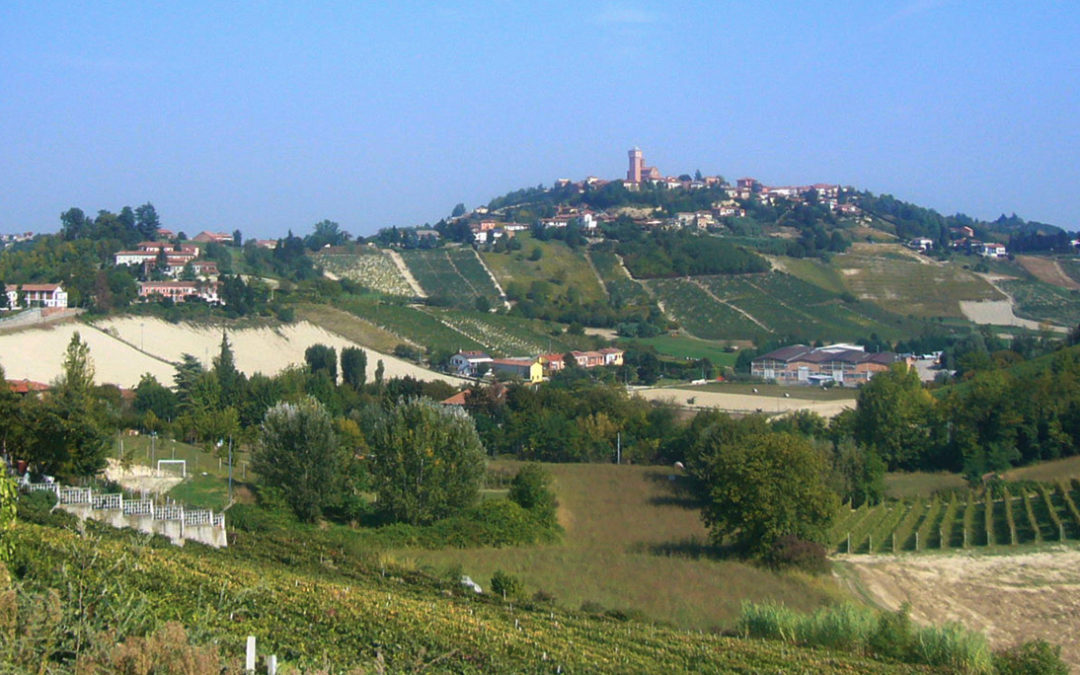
{"x":411,"y":324}
{"x":370,"y":268}
{"x":700,"y":314}
{"x":624,"y":291}
{"x":1019,"y":513}
{"x":503,"y":335}
{"x":319,"y":607}
{"x":454,"y":274}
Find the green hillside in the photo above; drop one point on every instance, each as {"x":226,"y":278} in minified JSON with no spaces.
{"x":558,"y":264}
{"x":368,"y":267}
{"x":906,"y":283}
{"x":323,"y":607}
{"x":452,"y":274}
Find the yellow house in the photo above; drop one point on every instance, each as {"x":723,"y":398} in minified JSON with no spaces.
{"x":530,"y":370}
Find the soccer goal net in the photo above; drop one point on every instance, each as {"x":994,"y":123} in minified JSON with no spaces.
{"x":173,"y":466}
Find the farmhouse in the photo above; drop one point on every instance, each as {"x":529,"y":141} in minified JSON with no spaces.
{"x":530,"y":370}
{"x":994,"y":250}
{"x":468,"y":362}
{"x":36,"y":295}
{"x":843,"y":364}
{"x":217,"y":237}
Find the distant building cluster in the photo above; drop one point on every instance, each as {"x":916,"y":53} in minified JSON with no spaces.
{"x":531,"y":369}
{"x":8,"y":239}
{"x":840,"y":364}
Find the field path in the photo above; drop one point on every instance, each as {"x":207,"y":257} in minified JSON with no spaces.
{"x":727,"y":304}
{"x":498,"y":286}
{"x":404,"y":269}
{"x":603,"y":286}
{"x":647,"y":289}
{"x":1048,"y":270}
{"x":1012,"y":598}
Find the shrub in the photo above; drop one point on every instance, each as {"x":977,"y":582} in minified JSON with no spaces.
{"x":530,"y":490}
{"x":506,"y":585}
{"x":1037,"y":657}
{"x":894,"y":635}
{"x":35,"y":506}
{"x":791,"y":551}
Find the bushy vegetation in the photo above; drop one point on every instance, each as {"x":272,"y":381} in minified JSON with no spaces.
{"x":677,"y":254}
{"x":853,"y":629}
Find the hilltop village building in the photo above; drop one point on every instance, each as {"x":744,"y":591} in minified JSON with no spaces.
{"x":844,"y":364}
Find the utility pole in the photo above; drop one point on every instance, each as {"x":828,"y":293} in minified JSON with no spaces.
{"x":618,"y":447}
{"x":230,"y":468}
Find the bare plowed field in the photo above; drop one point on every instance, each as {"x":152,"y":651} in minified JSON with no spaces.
{"x":1048,"y":270}
{"x":1012,"y":598}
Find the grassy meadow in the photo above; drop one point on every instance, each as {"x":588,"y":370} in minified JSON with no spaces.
{"x":632,"y":542}
{"x":558,"y":264}
{"x":687,"y":347}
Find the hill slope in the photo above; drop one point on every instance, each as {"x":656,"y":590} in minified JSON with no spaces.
{"x":322,"y":608}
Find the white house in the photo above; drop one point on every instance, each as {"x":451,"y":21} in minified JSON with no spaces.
{"x":468,"y":362}
{"x":994,"y":250}
{"x":36,"y":295}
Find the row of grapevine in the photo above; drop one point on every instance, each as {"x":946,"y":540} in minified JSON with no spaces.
{"x":1020,"y":516}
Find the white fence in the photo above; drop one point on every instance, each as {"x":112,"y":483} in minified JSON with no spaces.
{"x":129,"y":507}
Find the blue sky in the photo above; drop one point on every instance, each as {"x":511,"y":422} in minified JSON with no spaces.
{"x":270,"y":116}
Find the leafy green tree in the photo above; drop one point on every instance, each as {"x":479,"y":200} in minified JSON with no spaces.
{"x":380,"y":370}
{"x":763,"y":488}
{"x":8,"y":496}
{"x":229,"y":378}
{"x":67,"y":438}
{"x":427,"y":461}
{"x":530,"y":490}
{"x":321,"y":359}
{"x":151,"y":395}
{"x":354,"y":366}
{"x":458,"y":211}
{"x":188,"y":372}
{"x":147,"y":221}
{"x":298,"y":454}
{"x":893,"y":415}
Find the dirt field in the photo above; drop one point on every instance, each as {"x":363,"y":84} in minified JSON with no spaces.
{"x":995,"y":312}
{"x":38,"y":354}
{"x":1048,"y":270}
{"x":1012,"y":598}
{"x":744,"y":402}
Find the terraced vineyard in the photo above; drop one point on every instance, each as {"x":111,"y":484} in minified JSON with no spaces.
{"x":789,"y":305}
{"x":1040,"y":301}
{"x":452,"y":273}
{"x":623,"y":291}
{"x":747,"y":306}
{"x":702,"y":315}
{"x":1021,"y":514}
{"x":370,"y":268}
{"x":504,"y":335}
{"x":411,"y":324}
{"x":313,"y":604}
{"x":895,"y":278}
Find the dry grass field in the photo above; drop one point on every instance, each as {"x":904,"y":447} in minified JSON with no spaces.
{"x":906,"y":283}
{"x":632,"y":542}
